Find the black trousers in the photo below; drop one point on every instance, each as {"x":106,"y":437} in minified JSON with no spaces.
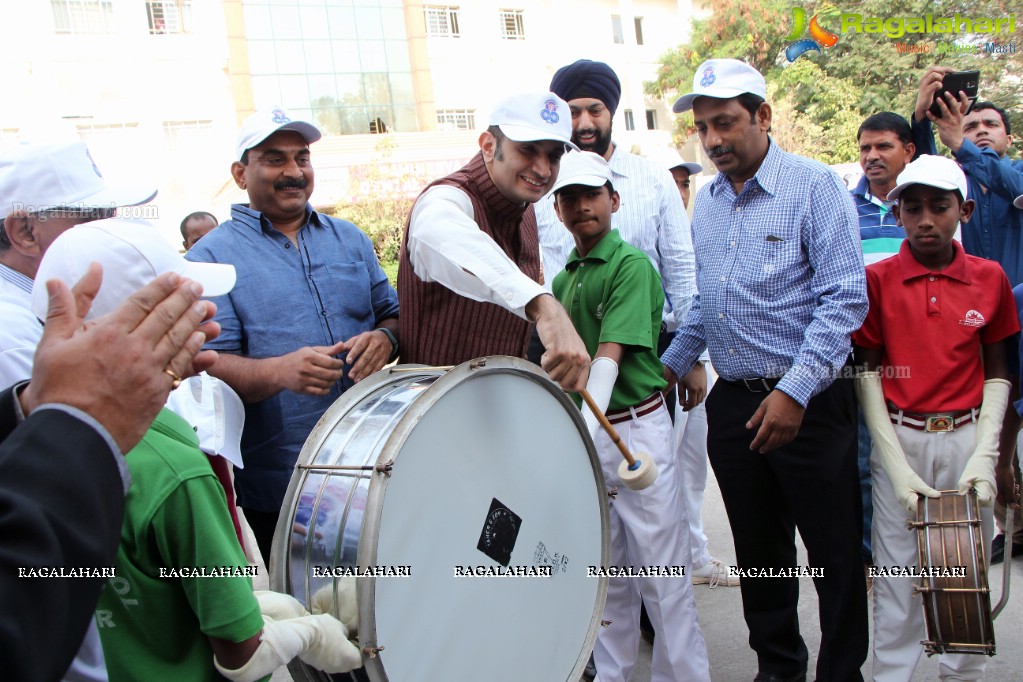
{"x":263,"y":525}
{"x":810,"y":484}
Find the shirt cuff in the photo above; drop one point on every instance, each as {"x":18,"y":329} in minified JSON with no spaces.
{"x":122,"y":465}
{"x":803,"y":383}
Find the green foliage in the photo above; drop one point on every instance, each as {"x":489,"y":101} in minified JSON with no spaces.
{"x":380,"y":198}
{"x":820,"y":99}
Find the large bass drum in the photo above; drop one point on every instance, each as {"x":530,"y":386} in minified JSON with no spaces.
{"x":472,"y":503}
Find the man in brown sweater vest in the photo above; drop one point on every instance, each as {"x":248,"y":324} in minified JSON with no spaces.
{"x":469,"y":275}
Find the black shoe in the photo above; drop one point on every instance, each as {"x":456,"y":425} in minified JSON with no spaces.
{"x":646,"y":628}
{"x":768,"y":677}
{"x":998,"y":549}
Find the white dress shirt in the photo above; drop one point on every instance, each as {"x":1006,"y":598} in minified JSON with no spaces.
{"x":651,"y":217}
{"x":20,"y":331}
{"x":446,"y":246}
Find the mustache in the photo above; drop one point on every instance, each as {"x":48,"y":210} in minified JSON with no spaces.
{"x":876,"y":164}
{"x":297,"y":183}
{"x":715,"y":152}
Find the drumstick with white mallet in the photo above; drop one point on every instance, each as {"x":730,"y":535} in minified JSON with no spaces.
{"x":636,"y":472}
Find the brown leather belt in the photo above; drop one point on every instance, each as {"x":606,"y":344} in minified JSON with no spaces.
{"x":933,"y":422}
{"x":641,"y":409}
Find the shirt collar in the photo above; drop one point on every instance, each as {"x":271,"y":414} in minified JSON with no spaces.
{"x":16,"y":278}
{"x":603,"y":251}
{"x":911,"y":268}
{"x":618,"y":163}
{"x":863,"y":190}
{"x":246,"y":215}
{"x":768,"y":175}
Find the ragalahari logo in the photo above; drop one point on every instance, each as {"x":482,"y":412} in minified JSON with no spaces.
{"x":818,"y":36}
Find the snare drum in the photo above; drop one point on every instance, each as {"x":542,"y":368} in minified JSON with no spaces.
{"x":447,"y":475}
{"x":957,"y":609}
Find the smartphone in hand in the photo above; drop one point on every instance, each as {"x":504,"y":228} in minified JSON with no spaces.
{"x":954,"y":82}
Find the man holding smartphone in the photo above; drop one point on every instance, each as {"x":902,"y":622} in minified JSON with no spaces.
{"x":979,"y":141}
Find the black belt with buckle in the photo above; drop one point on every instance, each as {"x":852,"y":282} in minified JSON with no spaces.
{"x":755,"y":385}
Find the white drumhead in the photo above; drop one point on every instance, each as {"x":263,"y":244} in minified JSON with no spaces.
{"x":486,"y":448}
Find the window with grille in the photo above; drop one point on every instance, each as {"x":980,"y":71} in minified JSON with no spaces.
{"x":651,"y":119}
{"x":456,"y":119}
{"x":168,"y":16}
{"x":82,"y":16}
{"x":511,"y":24}
{"x":630,"y":123}
{"x":442,"y":21}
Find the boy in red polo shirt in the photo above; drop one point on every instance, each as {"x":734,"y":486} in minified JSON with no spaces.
{"x":933,"y":393}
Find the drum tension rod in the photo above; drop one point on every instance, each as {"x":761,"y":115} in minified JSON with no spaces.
{"x":927,"y":524}
{"x":613,"y":492}
{"x":384,"y":468}
{"x":972,"y":590}
{"x":372,"y":651}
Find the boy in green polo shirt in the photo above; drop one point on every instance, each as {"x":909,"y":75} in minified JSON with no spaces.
{"x":613,"y":295}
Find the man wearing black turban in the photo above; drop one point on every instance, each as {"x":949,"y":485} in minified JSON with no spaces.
{"x":586,"y":79}
{"x":651,"y":218}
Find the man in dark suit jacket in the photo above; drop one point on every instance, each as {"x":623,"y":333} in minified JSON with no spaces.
{"x":94,"y":391}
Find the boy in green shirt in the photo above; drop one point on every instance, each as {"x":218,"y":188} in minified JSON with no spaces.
{"x":613,"y":295}
{"x":181,"y":605}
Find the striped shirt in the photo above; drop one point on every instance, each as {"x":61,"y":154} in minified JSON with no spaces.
{"x":780,"y":274}
{"x":880,"y":234}
{"x":20,"y":331}
{"x":651,"y":218}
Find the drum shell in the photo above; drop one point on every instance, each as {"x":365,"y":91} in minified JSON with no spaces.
{"x":957,"y":609}
{"x":364,"y":429}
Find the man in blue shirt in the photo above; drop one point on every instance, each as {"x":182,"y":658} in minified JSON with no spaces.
{"x":979,"y":141}
{"x":312,"y":311}
{"x":885,"y":148}
{"x":781,"y":289}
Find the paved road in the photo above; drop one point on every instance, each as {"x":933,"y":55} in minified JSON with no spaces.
{"x":720,"y":614}
{"x":731,"y":659}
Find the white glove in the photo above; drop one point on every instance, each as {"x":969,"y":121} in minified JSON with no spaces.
{"x":905,"y":482}
{"x":979,"y":471}
{"x":603,"y":374}
{"x":279,"y":606}
{"x":347,"y":607}
{"x":321,"y":641}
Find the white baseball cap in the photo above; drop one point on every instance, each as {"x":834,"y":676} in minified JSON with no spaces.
{"x":530,"y":117}
{"x":215,"y":412}
{"x":672,"y":159}
{"x":37,"y":177}
{"x":934,"y":171}
{"x":1019,"y":201}
{"x":263,"y":124}
{"x":582,"y":168}
{"x":722,"y":79}
{"x":132,"y":253}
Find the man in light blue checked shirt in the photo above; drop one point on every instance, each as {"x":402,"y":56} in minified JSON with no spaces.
{"x":782,"y":287}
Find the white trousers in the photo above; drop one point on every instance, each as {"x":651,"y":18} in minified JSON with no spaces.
{"x":690,"y":439}
{"x":939,"y":459}
{"x":648,"y":529}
